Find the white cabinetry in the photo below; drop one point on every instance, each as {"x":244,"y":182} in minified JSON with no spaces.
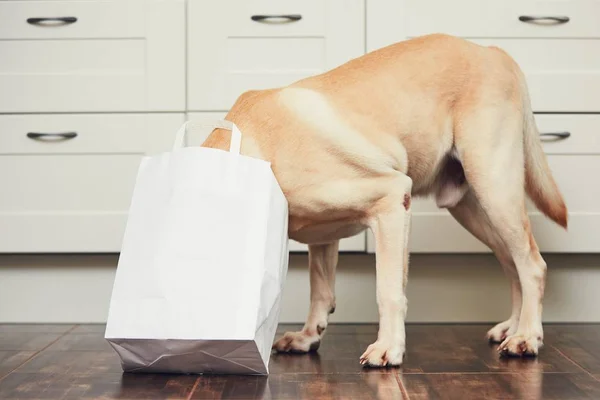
{"x":88,"y":87}
{"x":89,"y":56}
{"x":235,"y":46}
{"x":67,"y":180}
{"x":122,"y":75}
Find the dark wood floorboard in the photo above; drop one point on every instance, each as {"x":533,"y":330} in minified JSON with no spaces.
{"x":579,"y":343}
{"x":21,"y":385}
{"x":367,"y":385}
{"x":502,"y":386}
{"x":442,"y":362}
{"x":452,"y":348}
{"x":76,"y":341}
{"x":26,"y":341}
{"x":9,"y":360}
{"x":90,"y":328}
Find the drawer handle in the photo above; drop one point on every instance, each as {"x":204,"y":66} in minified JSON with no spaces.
{"x":52,"y":136}
{"x":547,"y":19}
{"x":60,"y":20}
{"x":276,"y":19}
{"x":552,"y":136}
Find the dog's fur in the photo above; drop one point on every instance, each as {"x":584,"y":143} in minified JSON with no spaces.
{"x":433,"y":115}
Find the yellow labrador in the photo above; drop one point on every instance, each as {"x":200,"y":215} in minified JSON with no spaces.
{"x":435,"y":115}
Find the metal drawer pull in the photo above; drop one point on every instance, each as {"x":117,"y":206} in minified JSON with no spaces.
{"x":548,"y":19}
{"x":57,"y":20}
{"x":554,"y":136}
{"x":52,"y":136}
{"x":276,"y":19}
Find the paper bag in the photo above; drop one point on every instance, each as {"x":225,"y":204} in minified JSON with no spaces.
{"x":203,"y":263}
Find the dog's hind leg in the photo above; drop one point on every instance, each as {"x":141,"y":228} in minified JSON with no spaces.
{"x":489,"y":141}
{"x":390,"y":225}
{"x":469,"y":213}
{"x":322,"y":263}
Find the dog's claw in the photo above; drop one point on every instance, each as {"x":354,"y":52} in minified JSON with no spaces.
{"x":379,"y":355}
{"x":297,"y":343}
{"x":520,"y":346}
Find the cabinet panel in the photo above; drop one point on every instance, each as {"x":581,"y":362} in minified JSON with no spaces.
{"x":121,"y":56}
{"x":230,"y":53}
{"x":72,"y":194}
{"x":72,"y":19}
{"x":503,"y":19}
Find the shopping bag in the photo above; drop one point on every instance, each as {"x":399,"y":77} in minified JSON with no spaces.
{"x":203,"y":262}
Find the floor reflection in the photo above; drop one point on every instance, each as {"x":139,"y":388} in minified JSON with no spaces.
{"x":384,"y":384}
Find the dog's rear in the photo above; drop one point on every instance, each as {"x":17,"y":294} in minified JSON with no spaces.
{"x":451,"y":184}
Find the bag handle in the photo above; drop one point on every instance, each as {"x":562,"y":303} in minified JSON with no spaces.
{"x":236,"y":135}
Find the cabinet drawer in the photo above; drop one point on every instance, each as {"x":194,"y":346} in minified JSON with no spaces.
{"x":273,"y":18}
{"x":501,"y":19}
{"x":196,"y":138}
{"x":571,"y":160}
{"x":81,"y":134}
{"x":229,"y":53}
{"x":73,"y":195}
{"x":583,"y":130}
{"x":126,"y":62}
{"x":581,"y":196}
{"x":72,"y":19}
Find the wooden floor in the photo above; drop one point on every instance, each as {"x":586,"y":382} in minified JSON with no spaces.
{"x":442,"y":362}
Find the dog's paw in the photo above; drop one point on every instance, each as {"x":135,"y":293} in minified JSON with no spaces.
{"x":521,"y":346}
{"x":501,"y":331}
{"x":297,"y":342}
{"x":380,"y":355}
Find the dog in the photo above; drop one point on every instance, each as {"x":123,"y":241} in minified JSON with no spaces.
{"x":435,"y":115}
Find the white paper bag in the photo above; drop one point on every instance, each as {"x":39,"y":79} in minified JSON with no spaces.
{"x":203,"y":263}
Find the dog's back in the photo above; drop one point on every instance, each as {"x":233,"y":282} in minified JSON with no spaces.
{"x":399,"y":108}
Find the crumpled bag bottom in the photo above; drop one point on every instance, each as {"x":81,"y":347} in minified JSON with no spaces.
{"x":189,"y":356}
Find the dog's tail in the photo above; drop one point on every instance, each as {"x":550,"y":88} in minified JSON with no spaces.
{"x":539,"y":183}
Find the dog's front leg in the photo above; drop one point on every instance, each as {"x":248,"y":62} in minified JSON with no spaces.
{"x":321,"y":264}
{"x":391,"y":228}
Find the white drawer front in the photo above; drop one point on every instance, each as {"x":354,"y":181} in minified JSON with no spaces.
{"x":500,"y":19}
{"x":272,"y":18}
{"x":73,"y":195}
{"x":72,"y":75}
{"x":67,"y":183}
{"x":71,"y":19}
{"x":84,"y":134}
{"x":144,"y":70}
{"x":229,"y":53}
{"x":583,"y":130}
{"x":197,"y":137}
{"x":575,"y":164}
{"x":576,"y":176}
